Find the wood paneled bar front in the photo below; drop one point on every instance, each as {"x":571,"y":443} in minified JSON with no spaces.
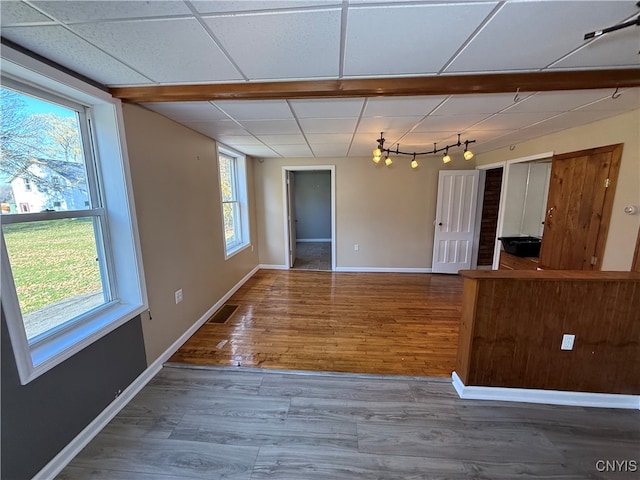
{"x":513,"y":322}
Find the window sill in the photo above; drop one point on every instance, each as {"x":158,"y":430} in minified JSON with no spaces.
{"x":235,"y":250}
{"x":51,"y":352}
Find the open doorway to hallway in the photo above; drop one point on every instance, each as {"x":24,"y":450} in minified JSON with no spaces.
{"x":310,"y":217}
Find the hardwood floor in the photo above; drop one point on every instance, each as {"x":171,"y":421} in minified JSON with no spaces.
{"x":253,"y":424}
{"x":403,"y":324}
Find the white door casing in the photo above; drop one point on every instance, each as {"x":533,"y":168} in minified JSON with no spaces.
{"x":455,"y":222}
{"x":291,"y":209}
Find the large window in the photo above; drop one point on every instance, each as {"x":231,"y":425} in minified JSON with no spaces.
{"x":71,"y":269}
{"x":233,"y":192}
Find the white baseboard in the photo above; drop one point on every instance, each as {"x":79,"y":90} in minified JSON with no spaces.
{"x":383,"y":270}
{"x":314,"y":240}
{"x":551,"y":397}
{"x":62,"y":459}
{"x":272,"y":267}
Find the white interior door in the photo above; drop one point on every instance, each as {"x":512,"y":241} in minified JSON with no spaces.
{"x":455,"y":220}
{"x":291,"y":216}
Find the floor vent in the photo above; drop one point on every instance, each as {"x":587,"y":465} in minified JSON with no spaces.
{"x":222,"y":315}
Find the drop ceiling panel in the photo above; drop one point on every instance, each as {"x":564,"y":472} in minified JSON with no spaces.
{"x":218,"y":127}
{"x":293,"y":150}
{"x":256,"y":109}
{"x":81,"y":11}
{"x":341,"y":138}
{"x":557,"y":101}
{"x":329,"y":150}
{"x":187,"y":111}
{"x":282,"y":139}
{"x":449,"y":122}
{"x":327,"y":125}
{"x":628,"y":100}
{"x":239,"y":141}
{"x":477,"y":104}
{"x":327,"y":108}
{"x":619,"y":49}
{"x":401,"y":106}
{"x":187,"y":55}
{"x":256,"y":150}
{"x":17,"y":13}
{"x":526,"y":36}
{"x":271,"y":127}
{"x":563,"y":121}
{"x":505,"y":121}
{"x":225,"y":6}
{"x":60,"y":45}
{"x":424,"y":141}
{"x":375,"y":125}
{"x":284,"y":45}
{"x":408,"y":39}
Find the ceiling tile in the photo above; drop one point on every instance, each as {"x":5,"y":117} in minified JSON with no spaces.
{"x":271,"y":127}
{"x":283,"y":139}
{"x":557,"y":101}
{"x":61,"y":46}
{"x":398,"y":107}
{"x":565,"y":121}
{"x":325,"y":138}
{"x":226,"y":6}
{"x":408,"y":39}
{"x":375,"y":125}
{"x":329,"y":150}
{"x":293,"y":150}
{"x":441,"y":123}
{"x":628,"y":100}
{"x":82,"y":11}
{"x":160,"y":56}
{"x":506,"y":121}
{"x":423,"y":142}
{"x":328,"y":125}
{"x":619,"y":49}
{"x":239,"y":140}
{"x":218,"y":127}
{"x":476,"y":104}
{"x":526,"y":36}
{"x":283,"y":45}
{"x":187,"y":111}
{"x":256,"y":109}
{"x":256,"y":150}
{"x":18,"y":13}
{"x":327,"y":108}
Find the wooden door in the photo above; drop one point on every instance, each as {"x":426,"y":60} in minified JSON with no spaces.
{"x":455,"y":220}
{"x":579,"y":204}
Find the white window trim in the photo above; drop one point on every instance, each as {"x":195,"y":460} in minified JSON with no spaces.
{"x":243,"y":200}
{"x":128,"y":284}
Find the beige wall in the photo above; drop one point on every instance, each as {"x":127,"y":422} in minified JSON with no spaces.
{"x":389,"y":212}
{"x":175,"y":184}
{"x":624,"y":129}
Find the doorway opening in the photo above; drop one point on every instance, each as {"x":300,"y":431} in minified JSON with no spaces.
{"x":309,"y":201}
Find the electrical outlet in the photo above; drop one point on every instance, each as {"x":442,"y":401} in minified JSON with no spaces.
{"x":356,"y":247}
{"x":179,"y":296}
{"x":567,"y":342}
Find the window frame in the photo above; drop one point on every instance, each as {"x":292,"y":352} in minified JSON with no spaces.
{"x":240,"y":201}
{"x":114,"y":197}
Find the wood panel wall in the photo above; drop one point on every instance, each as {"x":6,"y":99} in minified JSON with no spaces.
{"x":489,"y":222}
{"x":513,"y":323}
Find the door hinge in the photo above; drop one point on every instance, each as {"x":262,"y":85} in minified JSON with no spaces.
{"x":594,"y":260}
{"x":607,"y":182}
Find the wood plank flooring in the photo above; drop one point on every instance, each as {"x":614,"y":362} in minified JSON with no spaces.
{"x":403,"y":324}
{"x":255,"y":424}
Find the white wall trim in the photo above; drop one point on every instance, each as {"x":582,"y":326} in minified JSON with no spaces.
{"x":263,"y":266}
{"x":309,"y":240}
{"x":551,"y":397}
{"x":383,"y":269}
{"x":62,"y":459}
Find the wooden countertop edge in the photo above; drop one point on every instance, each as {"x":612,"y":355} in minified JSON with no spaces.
{"x":549,"y":275}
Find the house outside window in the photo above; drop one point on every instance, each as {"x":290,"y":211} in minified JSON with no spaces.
{"x":233,"y":192}
{"x":67,"y":278}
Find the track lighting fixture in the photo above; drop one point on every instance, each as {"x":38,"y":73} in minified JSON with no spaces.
{"x":446,"y":158}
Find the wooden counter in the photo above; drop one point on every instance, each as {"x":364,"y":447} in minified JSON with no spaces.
{"x":513,"y":322}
